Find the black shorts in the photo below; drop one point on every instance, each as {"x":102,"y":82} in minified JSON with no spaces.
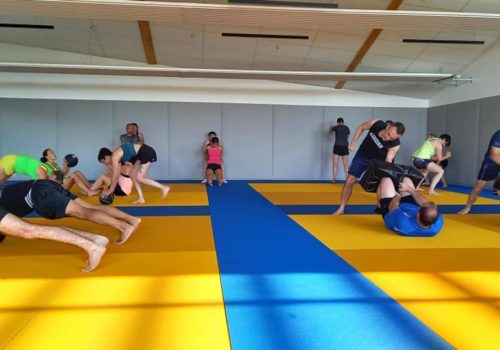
{"x":341,"y":150}
{"x":48,"y":200}
{"x":3,"y":212}
{"x":118,"y":191}
{"x":489,"y":170}
{"x":385,"y":202}
{"x":213,"y":166}
{"x":146,"y":154}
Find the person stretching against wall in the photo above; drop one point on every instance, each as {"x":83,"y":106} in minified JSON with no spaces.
{"x":341,"y":146}
{"x":214,"y":162}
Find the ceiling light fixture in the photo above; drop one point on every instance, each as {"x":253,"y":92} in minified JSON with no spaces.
{"x":434,"y":41}
{"x":215,"y":73}
{"x":268,"y":36}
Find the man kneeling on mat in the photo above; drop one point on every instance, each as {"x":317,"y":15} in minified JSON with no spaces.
{"x":50,"y":200}
{"x":94,"y":245}
{"x":408,"y":212}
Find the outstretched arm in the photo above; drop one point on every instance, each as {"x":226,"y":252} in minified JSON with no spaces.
{"x":357,"y":134}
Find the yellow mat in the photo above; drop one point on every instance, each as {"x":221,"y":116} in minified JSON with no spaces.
{"x":451,"y":281}
{"x":179,"y":195}
{"x":160,"y":290}
{"x":330,"y":194}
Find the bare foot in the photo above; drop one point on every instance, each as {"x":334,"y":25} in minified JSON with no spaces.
{"x":139,"y":201}
{"x":95,"y":256}
{"x":125,"y":235}
{"x":434,"y":193}
{"x":164,"y":192}
{"x":464,"y":211}
{"x":101,"y":240}
{"x":210,"y":183}
{"x":338,"y":212}
{"x":220,"y":184}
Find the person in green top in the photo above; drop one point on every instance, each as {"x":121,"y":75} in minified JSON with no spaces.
{"x":11,"y":164}
{"x":432,"y":149}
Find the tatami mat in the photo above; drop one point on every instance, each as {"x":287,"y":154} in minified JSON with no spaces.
{"x":153,"y":292}
{"x":300,"y":193}
{"x":450,"y":281}
{"x":180,"y":195}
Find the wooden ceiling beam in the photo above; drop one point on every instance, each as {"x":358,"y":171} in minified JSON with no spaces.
{"x":147,"y":42}
{"x":370,"y":40}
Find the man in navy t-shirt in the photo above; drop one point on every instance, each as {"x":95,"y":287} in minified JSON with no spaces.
{"x":341,"y":146}
{"x":490,"y":168}
{"x":381,"y":142}
{"x":408,"y":212}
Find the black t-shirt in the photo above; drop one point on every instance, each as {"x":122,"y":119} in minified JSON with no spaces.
{"x":12,"y":198}
{"x":373,"y":147}
{"x":341,"y":135}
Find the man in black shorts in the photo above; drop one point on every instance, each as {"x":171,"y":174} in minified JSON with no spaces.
{"x":490,"y":169}
{"x":341,"y":146}
{"x":94,"y":245}
{"x":381,"y":142}
{"x":50,"y":200}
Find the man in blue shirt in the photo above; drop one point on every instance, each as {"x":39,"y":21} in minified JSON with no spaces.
{"x":408,"y":212}
{"x":490,"y":169}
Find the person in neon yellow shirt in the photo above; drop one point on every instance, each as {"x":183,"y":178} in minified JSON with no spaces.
{"x":11,"y":164}
{"x":432,"y":149}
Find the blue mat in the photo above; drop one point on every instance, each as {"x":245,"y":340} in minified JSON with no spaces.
{"x":159,"y":211}
{"x":283,"y":289}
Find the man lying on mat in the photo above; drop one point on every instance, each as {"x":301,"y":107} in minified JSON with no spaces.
{"x":94,"y":245}
{"x":50,"y":200}
{"x":408,"y":212}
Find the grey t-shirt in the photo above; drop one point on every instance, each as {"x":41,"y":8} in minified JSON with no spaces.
{"x":124,"y":138}
{"x":341,"y":135}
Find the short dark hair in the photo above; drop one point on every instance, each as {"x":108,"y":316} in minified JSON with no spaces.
{"x":340,"y":120}
{"x":212,"y":133}
{"x":400,"y":128}
{"x":428,"y":214}
{"x":388,"y":121}
{"x":103,"y":152}
{"x":214,"y":139}
{"x":446,"y":138}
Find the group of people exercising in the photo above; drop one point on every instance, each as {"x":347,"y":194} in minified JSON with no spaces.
{"x":403,"y":208}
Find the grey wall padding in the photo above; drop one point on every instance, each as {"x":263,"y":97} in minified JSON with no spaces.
{"x":471,"y":125}
{"x":260,"y":141}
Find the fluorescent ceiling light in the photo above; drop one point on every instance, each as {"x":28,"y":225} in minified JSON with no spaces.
{"x":216,"y":73}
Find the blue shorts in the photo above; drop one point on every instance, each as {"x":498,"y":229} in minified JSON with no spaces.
{"x":421,"y":163}
{"x":359,"y":164}
{"x":489,"y":170}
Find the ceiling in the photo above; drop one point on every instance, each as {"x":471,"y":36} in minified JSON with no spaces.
{"x":331,"y":49}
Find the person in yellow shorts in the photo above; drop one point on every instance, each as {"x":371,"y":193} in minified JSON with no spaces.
{"x":11,"y":164}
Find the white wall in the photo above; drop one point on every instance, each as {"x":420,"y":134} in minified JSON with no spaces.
{"x":485,"y":73}
{"x":260,"y":141}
